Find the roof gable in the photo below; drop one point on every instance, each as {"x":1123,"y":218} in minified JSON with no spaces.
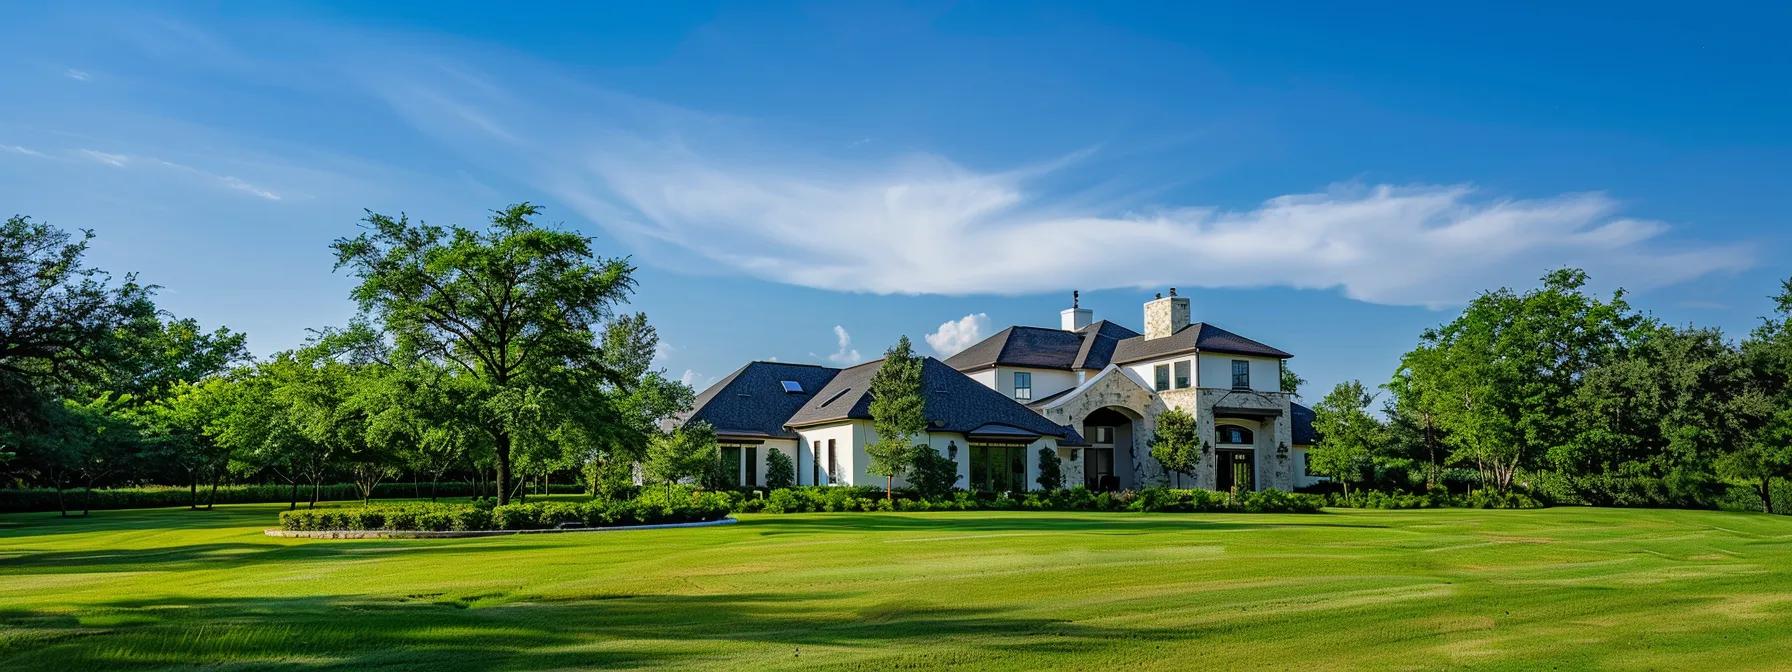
{"x":1041,"y":348}
{"x":752,"y":401}
{"x":954,"y":402}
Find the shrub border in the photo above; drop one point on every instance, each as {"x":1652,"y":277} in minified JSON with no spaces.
{"x":452,"y":534}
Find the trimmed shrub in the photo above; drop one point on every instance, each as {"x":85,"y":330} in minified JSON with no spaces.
{"x":151,"y":496}
{"x":1480,"y":499}
{"x":653,"y":506}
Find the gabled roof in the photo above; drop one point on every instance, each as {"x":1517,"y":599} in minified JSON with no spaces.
{"x":751,"y":402}
{"x":1197,"y":336}
{"x":1043,"y":348}
{"x":954,"y":402}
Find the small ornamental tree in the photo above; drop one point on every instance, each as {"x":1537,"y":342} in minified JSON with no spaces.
{"x":1348,"y":435}
{"x":1051,"y":474}
{"x":1177,"y":442}
{"x":898,"y":413}
{"x":779,"y":472}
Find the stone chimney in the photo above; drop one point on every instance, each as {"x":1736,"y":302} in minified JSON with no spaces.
{"x":1076,"y":317}
{"x":1165,"y":315}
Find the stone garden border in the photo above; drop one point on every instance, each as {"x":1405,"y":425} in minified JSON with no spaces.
{"x":444,"y":534}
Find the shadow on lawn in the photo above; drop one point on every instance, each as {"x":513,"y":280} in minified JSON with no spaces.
{"x":1032,"y":521}
{"x":432,"y":632}
{"x":223,"y":555}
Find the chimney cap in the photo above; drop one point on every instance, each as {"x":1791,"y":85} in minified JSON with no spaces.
{"x":1075,"y":297}
{"x":1172,"y":291}
{"x":1159,"y":295}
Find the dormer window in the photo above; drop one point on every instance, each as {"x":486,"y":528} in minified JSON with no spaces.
{"x":792,"y":387}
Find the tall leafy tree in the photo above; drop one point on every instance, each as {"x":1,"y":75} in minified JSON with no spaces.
{"x":517,"y":307}
{"x":1348,"y":434}
{"x":1501,"y":377}
{"x":63,"y":324}
{"x":898,"y":413}
{"x":686,"y":453}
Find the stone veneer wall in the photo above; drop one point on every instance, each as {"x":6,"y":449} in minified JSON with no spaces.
{"x":1118,"y":390}
{"x":1275,"y":462}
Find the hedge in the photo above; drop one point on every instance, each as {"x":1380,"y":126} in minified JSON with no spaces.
{"x":151,"y":496}
{"x":653,"y":506}
{"x":1480,"y":499}
{"x":825,"y":499}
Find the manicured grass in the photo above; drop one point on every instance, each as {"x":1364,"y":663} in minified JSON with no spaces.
{"x":1515,"y":590}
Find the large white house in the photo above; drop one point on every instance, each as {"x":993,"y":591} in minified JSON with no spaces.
{"x":1088,"y":391}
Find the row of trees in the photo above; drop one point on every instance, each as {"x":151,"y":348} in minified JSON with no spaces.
{"x":1574,"y":397}
{"x":495,"y":350}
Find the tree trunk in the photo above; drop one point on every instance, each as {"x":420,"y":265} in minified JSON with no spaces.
{"x":502,"y":450}
{"x":295,"y":496}
{"x":61,"y":504}
{"x":889,"y":488}
{"x":317,"y":486}
{"x":1767,"y":494}
{"x":213,"y":500}
{"x":87,"y":498}
{"x":193,"y":490}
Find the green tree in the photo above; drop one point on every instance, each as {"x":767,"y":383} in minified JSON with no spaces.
{"x":517,"y":307}
{"x":898,"y":413}
{"x":780,"y":472}
{"x":1176,"y":443}
{"x":1500,"y":379}
{"x":688,"y":452}
{"x":177,"y":429}
{"x":1291,"y":382}
{"x":1348,"y":434}
{"x":932,"y":474}
{"x":1051,"y":473}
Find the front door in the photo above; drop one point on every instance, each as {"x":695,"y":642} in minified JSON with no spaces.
{"x":1237,"y":470}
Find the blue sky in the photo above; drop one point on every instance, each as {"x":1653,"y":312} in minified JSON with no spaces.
{"x":1330,"y":181}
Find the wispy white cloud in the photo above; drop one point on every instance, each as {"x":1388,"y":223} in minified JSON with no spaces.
{"x":77,"y":75}
{"x":226,"y":181}
{"x":954,"y":336}
{"x":114,"y":160}
{"x":700,"y":192}
{"x":844,"y":354}
{"x":27,"y":151}
{"x":696,"y":381}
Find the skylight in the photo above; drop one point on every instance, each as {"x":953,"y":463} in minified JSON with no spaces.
{"x":793,"y":387}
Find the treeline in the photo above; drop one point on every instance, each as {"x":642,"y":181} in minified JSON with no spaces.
{"x":494,"y":354}
{"x":1575,"y":399}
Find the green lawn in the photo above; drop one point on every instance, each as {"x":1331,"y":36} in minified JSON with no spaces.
{"x":1519,"y":590}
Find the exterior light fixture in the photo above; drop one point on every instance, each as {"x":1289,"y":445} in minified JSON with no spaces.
{"x":952,"y":450}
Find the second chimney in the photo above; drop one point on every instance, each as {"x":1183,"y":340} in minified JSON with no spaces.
{"x":1165,"y":315}
{"x":1076,"y":317}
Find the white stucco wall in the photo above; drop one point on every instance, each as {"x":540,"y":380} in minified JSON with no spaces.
{"x":1301,"y":479}
{"x":1046,"y":382}
{"x":1215,"y":370}
{"x":847,"y":446}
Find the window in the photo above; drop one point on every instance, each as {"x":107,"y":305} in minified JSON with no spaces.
{"x":1241,"y":374}
{"x":1101,"y":434}
{"x":833,"y":464}
{"x":1182,"y":369}
{"x":815,"y":464}
{"x":1163,"y":376}
{"x":998,"y":468}
{"x":752,"y":458}
{"x":792,"y":386}
{"x":1233,"y":434}
{"x":1023,"y":385}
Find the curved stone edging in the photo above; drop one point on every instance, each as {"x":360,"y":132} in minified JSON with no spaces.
{"x":433,"y":534}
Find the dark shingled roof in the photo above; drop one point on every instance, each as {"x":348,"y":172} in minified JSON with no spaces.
{"x":751,"y":402}
{"x":1301,"y":420}
{"x":955,"y":403}
{"x":1197,"y":336}
{"x":1038,"y":347}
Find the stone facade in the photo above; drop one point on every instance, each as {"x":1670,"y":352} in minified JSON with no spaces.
{"x":1113,"y":388}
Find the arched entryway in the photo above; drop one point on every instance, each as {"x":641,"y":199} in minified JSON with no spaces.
{"x":1108,"y":461}
{"x":1235,"y":454}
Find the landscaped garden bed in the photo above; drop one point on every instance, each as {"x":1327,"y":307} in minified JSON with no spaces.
{"x":652,"y":507}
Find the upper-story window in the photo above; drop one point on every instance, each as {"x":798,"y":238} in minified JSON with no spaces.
{"x":1162,"y":372}
{"x":1023,"y":385}
{"x":1241,"y":374}
{"x":1182,"y":374}
{"x":1233,"y":434}
{"x":1101,"y":434}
